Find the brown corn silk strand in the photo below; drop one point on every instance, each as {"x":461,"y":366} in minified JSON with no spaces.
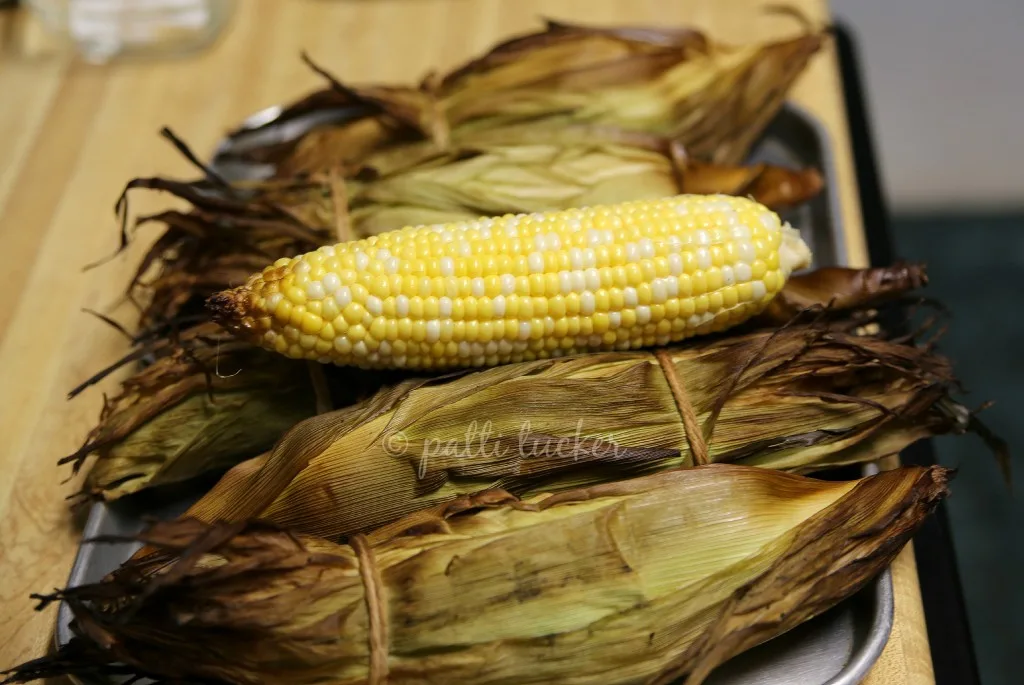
{"x":373,"y":591}
{"x":694,"y":433}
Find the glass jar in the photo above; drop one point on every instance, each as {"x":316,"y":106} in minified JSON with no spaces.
{"x":101,"y":30}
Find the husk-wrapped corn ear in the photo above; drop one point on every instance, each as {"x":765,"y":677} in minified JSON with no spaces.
{"x":627,"y":582}
{"x":802,"y":397}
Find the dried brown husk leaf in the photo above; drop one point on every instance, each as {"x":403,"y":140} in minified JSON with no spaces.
{"x":636,"y":581}
{"x":202,"y":405}
{"x":798,"y":397}
{"x":713,"y":99}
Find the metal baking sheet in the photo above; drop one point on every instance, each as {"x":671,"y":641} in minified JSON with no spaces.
{"x":837,"y":648}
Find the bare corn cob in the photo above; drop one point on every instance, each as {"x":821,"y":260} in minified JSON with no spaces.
{"x":519,"y":288}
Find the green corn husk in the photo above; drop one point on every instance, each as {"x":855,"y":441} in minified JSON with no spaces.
{"x":641,"y":581}
{"x":712,"y":99}
{"x":522,"y":178}
{"x":802,"y":397}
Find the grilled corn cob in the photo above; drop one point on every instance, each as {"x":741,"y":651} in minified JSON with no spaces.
{"x":525,"y":287}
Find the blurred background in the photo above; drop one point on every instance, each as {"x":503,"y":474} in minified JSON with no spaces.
{"x":944,"y":86}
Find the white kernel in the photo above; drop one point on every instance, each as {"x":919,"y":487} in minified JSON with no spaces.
{"x":629,"y":296}
{"x":524,"y":330}
{"x":574,"y":224}
{"x":742,"y":272}
{"x":540,"y":242}
{"x":486,"y":224}
{"x":359,"y":349}
{"x":759,"y":289}
{"x":576,"y":258}
{"x":632,"y":253}
{"x":586,"y":303}
{"x":444,"y":307}
{"x":579,"y":281}
{"x":728,"y":277}
{"x":701,"y":237}
{"x":476,"y":286}
{"x":703,"y":258}
{"x":383,"y":253}
{"x":565,"y":282}
{"x":498,"y":304}
{"x":391,"y":265}
{"x":671,"y":286}
{"x":327,"y":250}
{"x":694,"y":321}
{"x":682,"y":208}
{"x":536,"y":262}
{"x":463,"y":349}
{"x":433,"y":330}
{"x":476,"y":349}
{"x":373,"y":357}
{"x":663,"y":340}
{"x":643,"y":314}
{"x":373,"y":305}
{"x":741,"y":232}
{"x":770,"y":221}
{"x":520,"y":346}
{"x":385,"y":348}
{"x":594,"y":341}
{"x":479,"y":360}
{"x":447,"y":266}
{"x":343,"y":297}
{"x":674,"y":242}
{"x":745,"y":251}
{"x":330,"y":282}
{"x":594,"y":237}
{"x":491,"y":348}
{"x":508,"y":284}
{"x":582,"y":341}
{"x":675,"y":264}
{"x":646,"y":248}
{"x":362,"y":261}
{"x":485,"y":232}
{"x":614,"y":319}
{"x":343,"y":345}
{"x":273,"y":301}
{"x":658,"y":290}
{"x":504,"y":347}
{"x":554,"y":242}
{"x":465,"y":249}
{"x":622,"y":345}
{"x":399,"y":361}
{"x":302,"y":267}
{"x":401,"y":306}
{"x":589,"y":257}
{"x":593,"y":279}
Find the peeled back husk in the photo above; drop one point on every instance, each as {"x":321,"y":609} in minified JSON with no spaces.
{"x":640,"y":581}
{"x":803,"y":397}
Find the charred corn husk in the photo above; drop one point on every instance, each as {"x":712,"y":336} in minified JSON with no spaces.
{"x":518,"y":288}
{"x":803,"y":397}
{"x":644,"y":580}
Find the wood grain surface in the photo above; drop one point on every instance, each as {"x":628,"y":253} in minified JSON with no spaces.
{"x":72,"y":134}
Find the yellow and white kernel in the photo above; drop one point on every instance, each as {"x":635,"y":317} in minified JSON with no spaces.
{"x":514,"y":288}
